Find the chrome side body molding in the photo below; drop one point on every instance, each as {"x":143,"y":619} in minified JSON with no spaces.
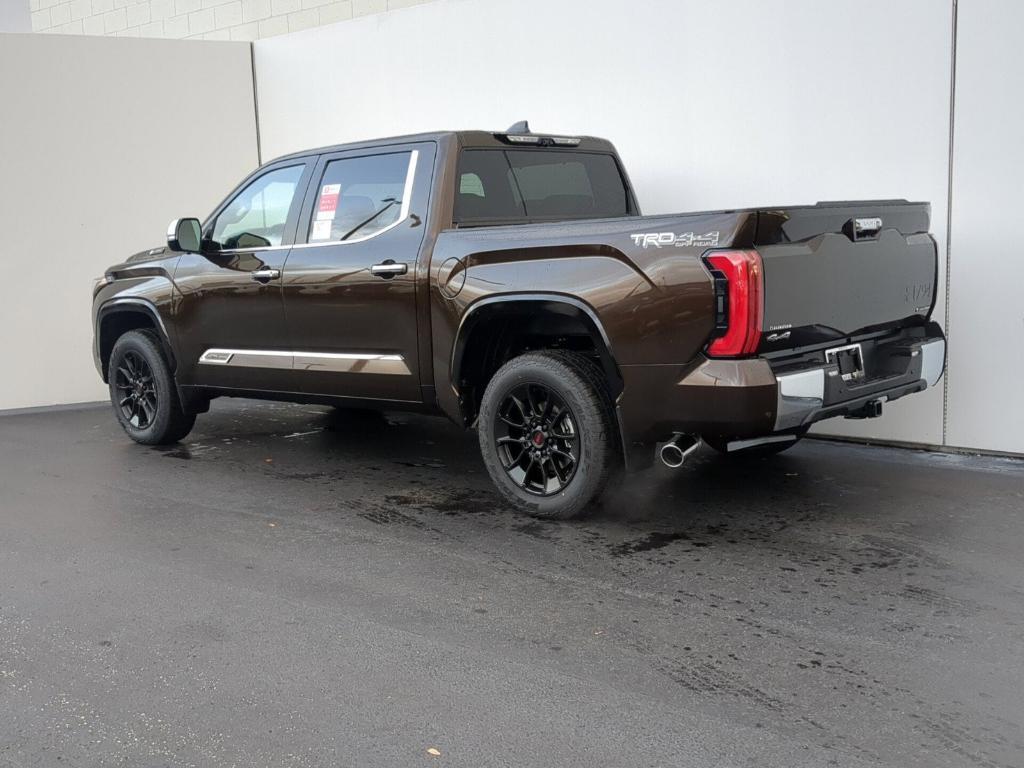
{"x":328,"y":362}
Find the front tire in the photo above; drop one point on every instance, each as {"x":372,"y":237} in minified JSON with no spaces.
{"x":547,"y":433}
{"x":143,"y":393}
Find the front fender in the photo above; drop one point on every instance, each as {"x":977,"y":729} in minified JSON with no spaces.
{"x":147,"y":291}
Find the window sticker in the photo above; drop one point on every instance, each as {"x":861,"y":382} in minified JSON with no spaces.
{"x":328,"y":207}
{"x":321,"y":230}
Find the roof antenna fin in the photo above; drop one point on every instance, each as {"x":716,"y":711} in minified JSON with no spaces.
{"x":521,"y":127}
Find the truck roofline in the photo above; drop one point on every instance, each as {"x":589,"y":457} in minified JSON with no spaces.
{"x":465,"y":138}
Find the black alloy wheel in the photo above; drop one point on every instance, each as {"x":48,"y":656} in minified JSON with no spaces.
{"x":136,"y":390}
{"x":143,"y":391}
{"x":537,"y":440}
{"x":547,"y":433}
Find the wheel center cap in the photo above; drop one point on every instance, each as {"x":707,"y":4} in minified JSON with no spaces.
{"x":538,"y":438}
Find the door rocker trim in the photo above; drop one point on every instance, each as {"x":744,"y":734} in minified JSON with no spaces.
{"x":324,"y":362}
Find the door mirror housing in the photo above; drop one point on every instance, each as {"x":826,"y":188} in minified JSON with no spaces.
{"x":185,"y":235}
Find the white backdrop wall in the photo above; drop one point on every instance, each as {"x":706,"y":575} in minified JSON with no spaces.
{"x":711,"y":104}
{"x":15,"y":16}
{"x":986,"y":324}
{"x":102,"y":142}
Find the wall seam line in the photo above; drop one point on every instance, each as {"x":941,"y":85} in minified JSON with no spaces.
{"x":949,"y":215}
{"x":256,"y":103}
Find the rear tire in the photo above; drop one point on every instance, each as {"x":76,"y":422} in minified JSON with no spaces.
{"x":143,"y":393}
{"x":547,"y":433}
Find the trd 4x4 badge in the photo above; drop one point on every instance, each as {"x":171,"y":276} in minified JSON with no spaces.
{"x":665,"y":239}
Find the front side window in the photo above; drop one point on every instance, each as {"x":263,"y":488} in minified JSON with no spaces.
{"x":359,"y":197}
{"x":257,"y":215}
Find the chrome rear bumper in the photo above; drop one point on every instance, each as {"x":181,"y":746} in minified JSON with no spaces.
{"x":802,"y":394}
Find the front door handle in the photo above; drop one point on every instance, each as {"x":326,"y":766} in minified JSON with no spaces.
{"x":389,"y":269}
{"x":265,"y":275}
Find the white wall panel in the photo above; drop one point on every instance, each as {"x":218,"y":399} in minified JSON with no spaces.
{"x":986,"y":360}
{"x":712,"y":104}
{"x":15,"y":16}
{"x":103,"y":141}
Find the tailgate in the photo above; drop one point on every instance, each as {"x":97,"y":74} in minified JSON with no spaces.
{"x":836,"y":270}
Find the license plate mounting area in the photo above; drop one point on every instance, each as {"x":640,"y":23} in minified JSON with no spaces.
{"x":848,"y":359}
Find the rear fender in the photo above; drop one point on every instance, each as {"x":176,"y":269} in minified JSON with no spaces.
{"x":492,"y":306}
{"x":554,"y":313}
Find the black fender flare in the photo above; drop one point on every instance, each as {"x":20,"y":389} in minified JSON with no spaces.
{"x":134,"y":305}
{"x":473,"y":315}
{"x":633,"y":458}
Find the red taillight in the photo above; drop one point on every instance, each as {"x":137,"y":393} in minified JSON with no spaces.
{"x":744,"y":305}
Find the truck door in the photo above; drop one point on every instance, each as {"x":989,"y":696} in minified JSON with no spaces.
{"x":230,"y":317}
{"x":349,"y":283}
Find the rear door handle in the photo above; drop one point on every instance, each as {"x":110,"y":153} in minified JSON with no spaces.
{"x":389,"y":269}
{"x":265,"y":275}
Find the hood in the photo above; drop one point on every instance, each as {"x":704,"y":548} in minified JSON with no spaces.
{"x":161,"y":252}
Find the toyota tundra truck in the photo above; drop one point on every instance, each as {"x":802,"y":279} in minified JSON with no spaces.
{"x":509,"y":282}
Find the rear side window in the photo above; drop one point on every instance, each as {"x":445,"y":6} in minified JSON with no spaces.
{"x":505,"y":186}
{"x":359,"y":197}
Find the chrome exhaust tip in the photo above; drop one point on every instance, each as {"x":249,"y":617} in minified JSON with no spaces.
{"x":674,"y":452}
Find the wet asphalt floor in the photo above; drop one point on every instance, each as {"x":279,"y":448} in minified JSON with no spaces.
{"x":293,"y":586}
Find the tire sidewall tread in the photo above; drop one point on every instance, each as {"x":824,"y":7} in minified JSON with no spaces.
{"x":171,"y":422}
{"x":581,"y":384}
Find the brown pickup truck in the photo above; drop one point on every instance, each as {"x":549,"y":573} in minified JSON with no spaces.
{"x":508,"y":281}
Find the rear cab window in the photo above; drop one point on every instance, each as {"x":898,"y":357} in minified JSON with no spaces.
{"x":509,"y":186}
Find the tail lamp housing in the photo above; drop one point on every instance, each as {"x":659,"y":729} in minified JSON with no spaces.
{"x":739,"y":302}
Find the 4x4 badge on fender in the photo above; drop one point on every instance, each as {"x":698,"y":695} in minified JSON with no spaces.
{"x":665,"y":239}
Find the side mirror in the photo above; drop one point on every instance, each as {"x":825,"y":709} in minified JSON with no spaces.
{"x":184,"y":235}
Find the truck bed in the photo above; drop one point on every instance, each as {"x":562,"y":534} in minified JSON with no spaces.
{"x":831,"y":271}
